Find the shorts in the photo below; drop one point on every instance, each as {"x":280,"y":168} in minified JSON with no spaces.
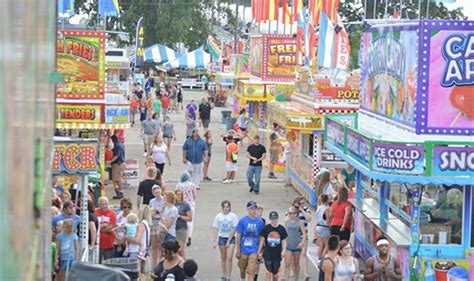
{"x":182,"y":235}
{"x":344,"y":235}
{"x":167,"y":137}
{"x":169,"y":237}
{"x":274,"y":156}
{"x":323,"y":231}
{"x":230,"y":167}
{"x":297,"y":250}
{"x":63,"y":265}
{"x":272,"y":267}
{"x":154,"y":229}
{"x":205,"y":123}
{"x":117,"y":170}
{"x":148,"y":139}
{"x":248,"y":264}
{"x":223,"y":241}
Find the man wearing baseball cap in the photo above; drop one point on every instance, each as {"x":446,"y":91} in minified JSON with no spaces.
{"x":272,"y":246}
{"x":383,"y":266}
{"x":248,"y":232}
{"x":68,"y":213}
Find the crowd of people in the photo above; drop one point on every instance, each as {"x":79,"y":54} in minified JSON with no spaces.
{"x":161,"y":228}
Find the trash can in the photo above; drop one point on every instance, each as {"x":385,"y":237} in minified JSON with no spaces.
{"x":225,"y":115}
{"x":129,"y":266}
{"x":230,"y":123}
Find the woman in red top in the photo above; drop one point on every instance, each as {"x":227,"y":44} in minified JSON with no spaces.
{"x":341,"y":216}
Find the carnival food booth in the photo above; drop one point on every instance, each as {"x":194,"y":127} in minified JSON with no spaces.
{"x":84,"y":110}
{"x":302,"y":120}
{"x":412,"y":146}
{"x":117,"y":67}
{"x":272,"y":72}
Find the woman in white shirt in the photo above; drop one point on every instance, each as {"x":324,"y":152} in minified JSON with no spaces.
{"x":347,"y":266}
{"x":160,"y":152}
{"x":224,"y":226}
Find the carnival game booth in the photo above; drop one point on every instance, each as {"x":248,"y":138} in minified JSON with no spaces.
{"x":83,"y":107}
{"x":414,"y":160}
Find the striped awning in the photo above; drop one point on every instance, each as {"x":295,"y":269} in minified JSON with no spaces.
{"x":197,"y":59}
{"x":159,"y":54}
{"x":92,"y":126}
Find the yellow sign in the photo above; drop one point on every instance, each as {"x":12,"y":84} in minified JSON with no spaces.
{"x":78,"y":113}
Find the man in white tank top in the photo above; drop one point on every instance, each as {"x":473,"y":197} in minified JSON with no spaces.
{"x":383,"y":266}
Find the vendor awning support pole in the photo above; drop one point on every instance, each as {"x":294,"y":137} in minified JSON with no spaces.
{"x":375,"y":9}
{"x":419,"y":9}
{"x":428,"y":9}
{"x":317,"y":155}
{"x":236,"y":32}
{"x":84,"y":226}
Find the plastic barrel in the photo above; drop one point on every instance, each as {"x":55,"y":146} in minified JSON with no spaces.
{"x":458,"y":273}
{"x":226,"y":114}
{"x":128,"y":265}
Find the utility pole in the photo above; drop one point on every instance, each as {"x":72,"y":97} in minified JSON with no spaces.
{"x":236,"y":32}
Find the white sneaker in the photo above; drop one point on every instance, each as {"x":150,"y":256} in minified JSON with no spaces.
{"x":144,"y":154}
{"x":232,"y":180}
{"x":226,"y":181}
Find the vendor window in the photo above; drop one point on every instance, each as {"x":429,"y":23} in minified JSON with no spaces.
{"x":308,"y":146}
{"x":441,"y":214}
{"x":399,"y":200}
{"x":371,"y":188}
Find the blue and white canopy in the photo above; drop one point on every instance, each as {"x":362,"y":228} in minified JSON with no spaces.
{"x":159,"y":54}
{"x":197,"y":59}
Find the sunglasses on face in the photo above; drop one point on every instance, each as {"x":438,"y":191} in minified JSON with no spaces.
{"x":127,"y":207}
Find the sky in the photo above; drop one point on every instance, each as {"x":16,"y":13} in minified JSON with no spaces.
{"x":468,"y":6}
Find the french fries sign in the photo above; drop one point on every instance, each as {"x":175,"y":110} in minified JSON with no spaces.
{"x":80,"y":57}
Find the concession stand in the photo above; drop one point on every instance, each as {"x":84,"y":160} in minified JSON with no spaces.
{"x":84,"y":108}
{"x":412,"y":145}
{"x":272,"y":72}
{"x":302,"y":127}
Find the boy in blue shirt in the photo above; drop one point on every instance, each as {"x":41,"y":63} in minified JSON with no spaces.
{"x":248,"y":232}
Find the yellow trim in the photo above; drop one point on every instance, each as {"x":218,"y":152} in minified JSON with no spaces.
{"x":92,"y":126}
{"x":244,"y":98}
{"x":309,"y":121}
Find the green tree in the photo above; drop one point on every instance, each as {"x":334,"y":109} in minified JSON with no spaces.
{"x":353,"y":11}
{"x":167,"y":22}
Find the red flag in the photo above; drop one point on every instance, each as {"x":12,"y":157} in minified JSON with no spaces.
{"x":254,"y":7}
{"x":330,"y":7}
{"x":286,"y":13}
{"x":297,"y":7}
{"x":273,"y":9}
{"x":315,"y":7}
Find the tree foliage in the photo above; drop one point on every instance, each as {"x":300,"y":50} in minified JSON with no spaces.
{"x":353,"y":11}
{"x":167,"y":22}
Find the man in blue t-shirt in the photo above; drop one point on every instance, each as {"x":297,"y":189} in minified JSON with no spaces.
{"x":68,"y":213}
{"x":194,"y":154}
{"x":248,"y":232}
{"x":118,"y":166}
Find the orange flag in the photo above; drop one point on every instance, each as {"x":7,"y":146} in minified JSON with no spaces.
{"x":286,"y":13}
{"x":297,"y":7}
{"x":315,"y":7}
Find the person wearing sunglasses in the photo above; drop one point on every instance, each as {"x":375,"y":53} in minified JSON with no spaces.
{"x":347,"y":267}
{"x":296,"y":240}
{"x":125,"y":210}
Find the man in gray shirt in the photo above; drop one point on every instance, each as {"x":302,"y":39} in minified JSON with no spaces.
{"x":148,"y":131}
